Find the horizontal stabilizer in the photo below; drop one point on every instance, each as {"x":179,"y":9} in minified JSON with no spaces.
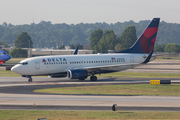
{"x":148,"y":58}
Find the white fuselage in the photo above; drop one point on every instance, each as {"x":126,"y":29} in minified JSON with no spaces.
{"x":47,"y":65}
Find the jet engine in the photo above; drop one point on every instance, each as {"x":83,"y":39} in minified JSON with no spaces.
{"x":77,"y":74}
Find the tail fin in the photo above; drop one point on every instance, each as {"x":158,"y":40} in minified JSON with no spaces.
{"x":76,"y":51}
{"x":145,"y":43}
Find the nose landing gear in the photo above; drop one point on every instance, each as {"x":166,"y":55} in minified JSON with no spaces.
{"x":30,"y":79}
{"x":27,"y":76}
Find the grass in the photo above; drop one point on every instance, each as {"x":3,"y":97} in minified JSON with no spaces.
{"x":135,"y":89}
{"x":142,"y":75}
{"x":17,"y":58}
{"x":85,"y":115}
{"x":15,"y":61}
{"x":8,"y":73}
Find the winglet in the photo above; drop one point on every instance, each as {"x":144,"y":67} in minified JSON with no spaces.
{"x":76,"y":51}
{"x":148,"y":58}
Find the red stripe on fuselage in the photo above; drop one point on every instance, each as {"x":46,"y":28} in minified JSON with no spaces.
{"x":2,"y":60}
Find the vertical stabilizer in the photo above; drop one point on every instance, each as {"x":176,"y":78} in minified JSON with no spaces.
{"x":76,"y":51}
{"x":145,"y":43}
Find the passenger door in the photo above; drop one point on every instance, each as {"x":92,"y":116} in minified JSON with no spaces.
{"x":37,"y":64}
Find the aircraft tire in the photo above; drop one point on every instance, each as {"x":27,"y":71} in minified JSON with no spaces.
{"x":30,"y":79}
{"x":93,"y":78}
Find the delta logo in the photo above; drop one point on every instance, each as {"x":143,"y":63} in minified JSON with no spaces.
{"x":54,"y":60}
{"x":43,"y":60}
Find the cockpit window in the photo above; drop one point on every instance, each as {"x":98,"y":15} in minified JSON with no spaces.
{"x":3,"y":53}
{"x":23,"y":63}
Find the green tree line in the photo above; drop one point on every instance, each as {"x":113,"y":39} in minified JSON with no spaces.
{"x":171,"y":47}
{"x":101,"y":41}
{"x":50,"y":34}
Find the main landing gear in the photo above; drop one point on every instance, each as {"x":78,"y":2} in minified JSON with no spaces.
{"x":93,"y":78}
{"x":30,"y":79}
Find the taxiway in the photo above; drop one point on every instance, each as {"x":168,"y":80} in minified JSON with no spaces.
{"x":16,"y":93}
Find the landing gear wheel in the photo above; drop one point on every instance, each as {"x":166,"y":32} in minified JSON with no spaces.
{"x":30,"y":79}
{"x":93,"y":78}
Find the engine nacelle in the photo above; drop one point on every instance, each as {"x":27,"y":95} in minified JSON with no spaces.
{"x":77,"y":74}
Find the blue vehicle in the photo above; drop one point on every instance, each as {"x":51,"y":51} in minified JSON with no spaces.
{"x":4,"y":57}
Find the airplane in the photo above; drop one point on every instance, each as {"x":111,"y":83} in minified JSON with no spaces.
{"x":82,"y":66}
{"x":4,"y":57}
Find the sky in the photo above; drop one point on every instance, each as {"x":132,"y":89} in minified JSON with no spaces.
{"x":18,"y":12}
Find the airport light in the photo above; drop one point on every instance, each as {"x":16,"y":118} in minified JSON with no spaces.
{"x":114,"y":107}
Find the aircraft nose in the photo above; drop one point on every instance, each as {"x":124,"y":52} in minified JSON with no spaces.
{"x":7,"y":57}
{"x":15,"y":69}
